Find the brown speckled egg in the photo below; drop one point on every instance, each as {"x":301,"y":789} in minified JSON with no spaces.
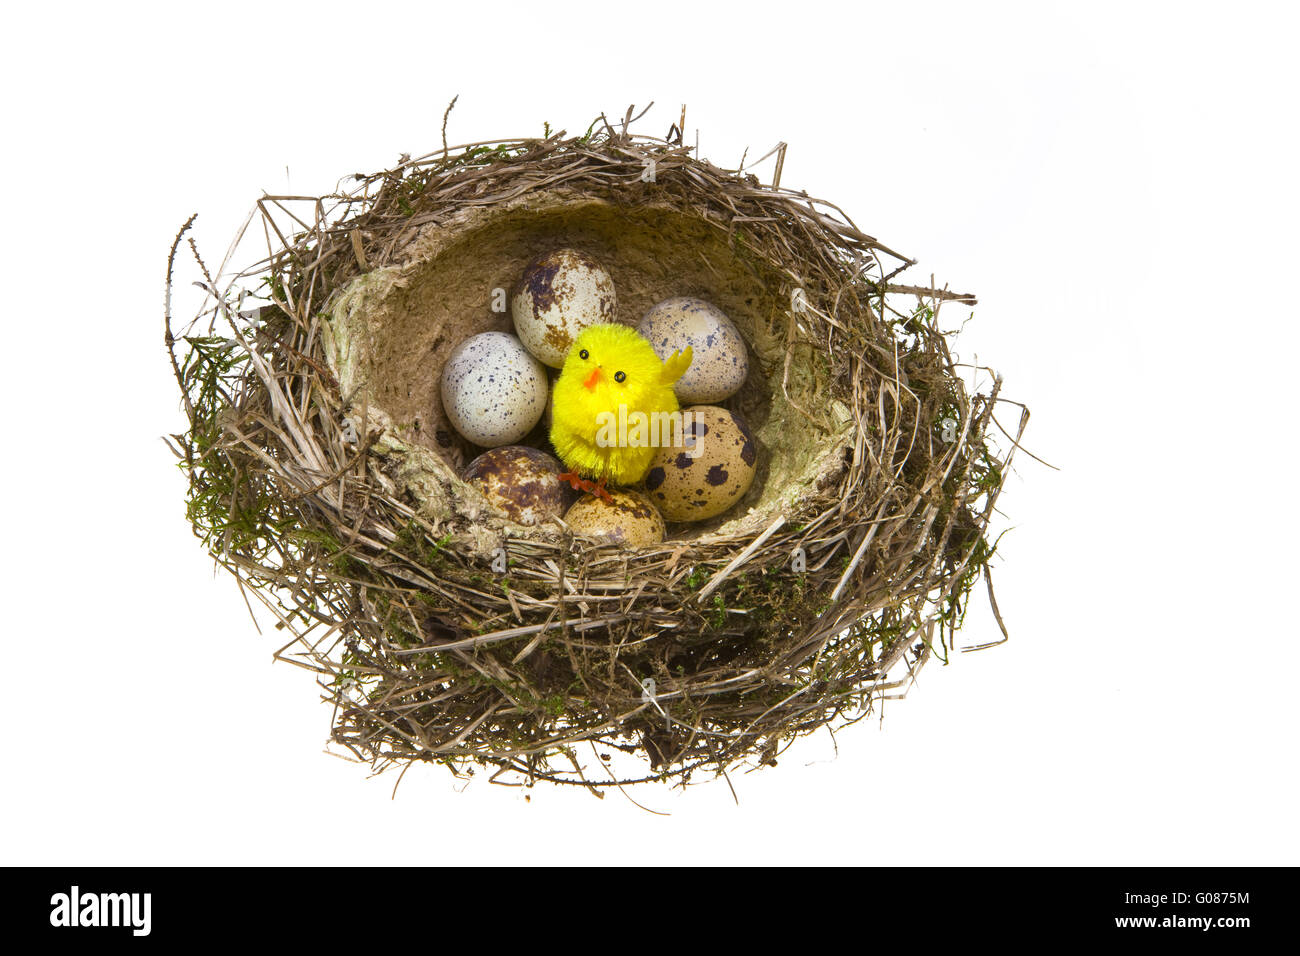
{"x":628,"y":519}
{"x":560,"y":294}
{"x":719,"y":361}
{"x":520,"y":481}
{"x":693,"y":487}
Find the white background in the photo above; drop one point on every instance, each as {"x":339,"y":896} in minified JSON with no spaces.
{"x":1116,"y":182}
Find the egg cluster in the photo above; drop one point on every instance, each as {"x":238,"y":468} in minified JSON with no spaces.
{"x":495,"y":389}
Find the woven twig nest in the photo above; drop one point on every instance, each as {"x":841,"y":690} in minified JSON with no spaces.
{"x":324,"y":474}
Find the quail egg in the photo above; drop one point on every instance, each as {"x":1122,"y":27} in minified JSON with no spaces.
{"x":711,"y":474}
{"x":523,"y":482}
{"x":628,"y":519}
{"x":560,"y":294}
{"x":493,"y":390}
{"x":720,"y":361}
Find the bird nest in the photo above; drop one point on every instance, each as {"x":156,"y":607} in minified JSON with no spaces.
{"x":324,"y":475}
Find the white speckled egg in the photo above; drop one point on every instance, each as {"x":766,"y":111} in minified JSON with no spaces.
{"x":560,"y":294}
{"x":493,"y":390}
{"x":719,"y":363}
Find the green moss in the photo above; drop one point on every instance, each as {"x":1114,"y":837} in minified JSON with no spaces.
{"x":718,"y":617}
{"x":414,"y":542}
{"x":230,"y":504}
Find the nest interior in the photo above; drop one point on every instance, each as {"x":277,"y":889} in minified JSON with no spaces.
{"x":392,"y":330}
{"x":323,"y":473}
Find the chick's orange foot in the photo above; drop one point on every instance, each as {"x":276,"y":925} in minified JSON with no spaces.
{"x":579,"y":483}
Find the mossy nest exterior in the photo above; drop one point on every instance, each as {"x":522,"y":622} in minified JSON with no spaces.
{"x":324,"y":474}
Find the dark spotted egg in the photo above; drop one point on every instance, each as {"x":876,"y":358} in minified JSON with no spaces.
{"x":703,"y":481}
{"x":522,"y":482}
{"x":493,"y":390}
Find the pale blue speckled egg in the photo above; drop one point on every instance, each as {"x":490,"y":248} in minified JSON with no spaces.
{"x":493,"y":389}
{"x":719,"y":363}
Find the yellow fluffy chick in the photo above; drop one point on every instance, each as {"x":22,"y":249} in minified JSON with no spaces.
{"x":610,"y":374}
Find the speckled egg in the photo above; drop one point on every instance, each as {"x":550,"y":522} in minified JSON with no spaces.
{"x":628,"y":519}
{"x":493,"y":390}
{"x":520,"y":481}
{"x":560,"y":294}
{"x":719,"y":363}
{"x":703,"y":482}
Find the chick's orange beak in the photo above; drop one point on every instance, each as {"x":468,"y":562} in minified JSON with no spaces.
{"x":593,"y":378}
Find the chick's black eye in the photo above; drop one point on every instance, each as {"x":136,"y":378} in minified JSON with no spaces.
{"x":619,"y":376}
{"x":584,"y":354}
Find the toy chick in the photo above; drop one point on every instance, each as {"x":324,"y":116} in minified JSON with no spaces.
{"x":612,"y":389}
